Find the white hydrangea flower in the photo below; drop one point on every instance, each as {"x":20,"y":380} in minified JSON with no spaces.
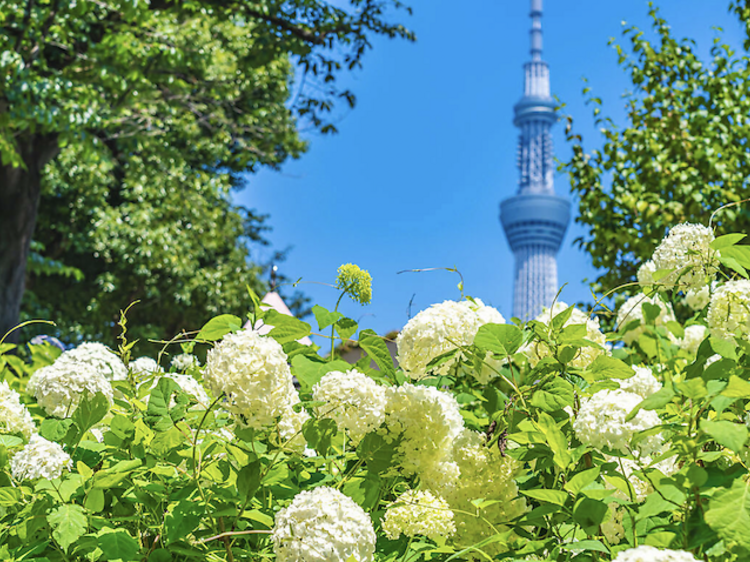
{"x":144,"y":367}
{"x":537,"y":350}
{"x":686,"y":250}
{"x":185,"y":362}
{"x":58,"y":388}
{"x":440,"y":329}
{"x":645,"y":553}
{"x":477,"y":471}
{"x":290,"y":427}
{"x":426,"y":419}
{"x":353,"y":400}
{"x":632,"y":310}
{"x":729,"y":310}
{"x":418,"y":513}
{"x":694,"y":336}
{"x":601,"y":421}
{"x":646,"y":273}
{"x":14,"y":417}
{"x":697,"y":299}
{"x":711,"y":360}
{"x":99,"y":356}
{"x":252,"y":372}
{"x":643,"y":383}
{"x":39,"y":459}
{"x":612,"y":527}
{"x":323,"y":525}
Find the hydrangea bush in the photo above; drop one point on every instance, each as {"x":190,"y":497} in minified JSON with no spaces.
{"x":494,"y":440}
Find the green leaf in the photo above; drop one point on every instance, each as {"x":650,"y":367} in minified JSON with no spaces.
{"x":556,"y":497}
{"x":319,"y":434}
{"x":728,"y":514}
{"x":157,"y":414}
{"x":325,"y":317}
{"x":657,"y":400}
{"x":608,"y":367}
{"x":90,"y":411}
{"x":553,"y":396}
{"x":560,"y":319}
{"x":725,"y":433}
{"x":377,"y":452}
{"x":581,"y":480}
{"x":501,"y":339}
{"x":737,"y":388}
{"x":182,"y":520}
{"x":94,"y":501}
{"x":727,"y":349}
{"x":726,"y":240}
{"x":9,"y":497}
{"x":218,"y":327}
{"x":68,"y":524}
{"x":555,"y":439}
{"x":55,"y":430}
{"x":346,"y":328}
{"x":740,"y":254}
{"x":589,"y":544}
{"x":117,"y":544}
{"x":376,"y":348}
{"x":286,"y":328}
{"x":248,"y":480}
{"x":365,"y":490}
{"x":309,"y":371}
{"x":589,"y":514}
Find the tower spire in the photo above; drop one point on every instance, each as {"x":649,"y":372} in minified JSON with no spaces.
{"x":535,"y":220}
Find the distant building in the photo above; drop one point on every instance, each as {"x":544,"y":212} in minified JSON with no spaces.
{"x":535,"y":220}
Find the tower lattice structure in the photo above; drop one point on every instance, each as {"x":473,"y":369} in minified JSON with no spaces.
{"x":535,"y":219}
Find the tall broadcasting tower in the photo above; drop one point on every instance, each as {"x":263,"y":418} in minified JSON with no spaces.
{"x":535,"y":219}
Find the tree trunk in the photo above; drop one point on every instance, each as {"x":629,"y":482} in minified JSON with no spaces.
{"x":19,"y":201}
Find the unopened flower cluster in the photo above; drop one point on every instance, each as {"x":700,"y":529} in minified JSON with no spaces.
{"x":686,"y":250}
{"x":355,"y":282}
{"x":418,"y":513}
{"x":323,"y":525}
{"x":14,"y":417}
{"x":39,"y":459}
{"x":353,"y":400}
{"x":439,"y":329}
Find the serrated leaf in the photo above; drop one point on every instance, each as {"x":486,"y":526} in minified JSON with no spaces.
{"x":556,"y":497}
{"x":346,"y":328}
{"x":500,"y":339}
{"x":286,"y":328}
{"x":182,"y":520}
{"x":377,"y":452}
{"x":728,"y":514}
{"x":377,"y":350}
{"x":325,"y":317}
{"x":248,"y":480}
{"x":90,"y":411}
{"x":68,"y":524}
{"x":117,"y":544}
{"x":658,"y":399}
{"x":608,"y":367}
{"x":726,"y":240}
{"x":726,"y":433}
{"x":218,"y":327}
{"x":737,"y":388}
{"x":581,"y":480}
{"x":319,"y":434}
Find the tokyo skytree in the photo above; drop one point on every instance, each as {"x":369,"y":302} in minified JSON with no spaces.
{"x":535,"y":219}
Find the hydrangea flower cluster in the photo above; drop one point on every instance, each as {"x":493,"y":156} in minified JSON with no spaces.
{"x":39,"y":459}
{"x":645,"y":553}
{"x":646,"y":274}
{"x":643,"y":383}
{"x":144,"y":367}
{"x":601,"y":421}
{"x":476,"y":471}
{"x":14,"y":417}
{"x":427,"y":421}
{"x":729,"y":311}
{"x":686,"y":250}
{"x":418,"y":513}
{"x":184,"y":362}
{"x":439,"y":329}
{"x":290,"y":427}
{"x":353,"y":400}
{"x":58,"y":388}
{"x":252,"y":372}
{"x":697,"y":299}
{"x":694,"y":336}
{"x":323,"y":525}
{"x":537,"y":350}
{"x":632,"y":310}
{"x":100,"y":357}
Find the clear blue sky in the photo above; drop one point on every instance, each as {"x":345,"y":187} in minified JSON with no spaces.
{"x":416,"y":174}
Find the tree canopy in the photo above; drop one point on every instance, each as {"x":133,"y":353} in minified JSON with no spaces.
{"x":681,"y":155}
{"x":124,"y":126}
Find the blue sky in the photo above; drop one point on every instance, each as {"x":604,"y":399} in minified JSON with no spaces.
{"x":415,"y":176}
